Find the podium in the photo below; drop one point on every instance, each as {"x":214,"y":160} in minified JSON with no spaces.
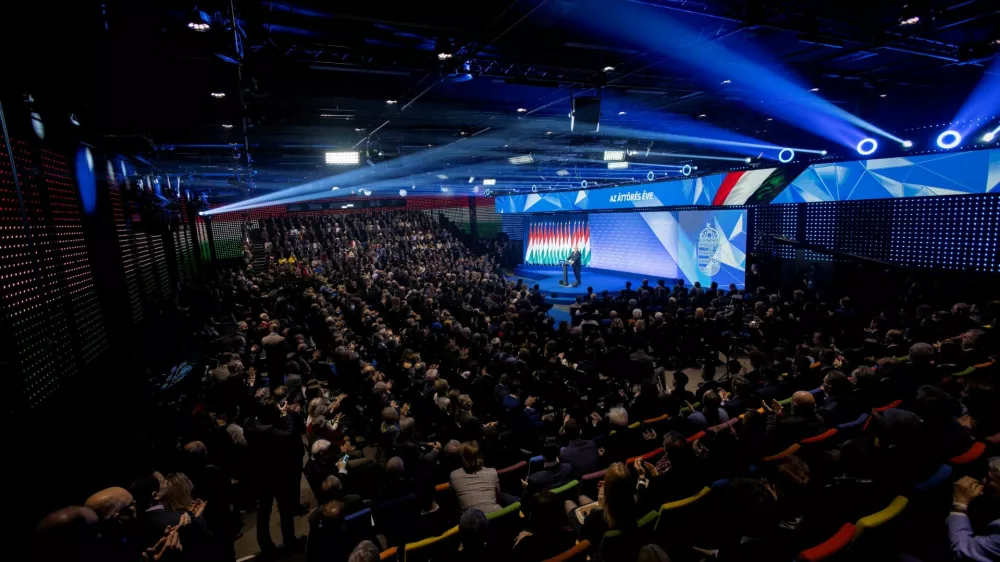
{"x":565,"y":280}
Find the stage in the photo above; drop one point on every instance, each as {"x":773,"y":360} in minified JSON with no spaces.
{"x":548,"y":278}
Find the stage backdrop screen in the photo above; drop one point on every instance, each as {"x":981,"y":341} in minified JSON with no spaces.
{"x":549,"y":240}
{"x":700,"y":246}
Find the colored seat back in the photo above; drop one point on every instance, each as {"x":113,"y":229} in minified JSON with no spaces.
{"x":877,"y":535}
{"x":576,"y":554}
{"x":829,"y":548}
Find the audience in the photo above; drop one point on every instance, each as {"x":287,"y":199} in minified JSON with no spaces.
{"x":368,"y":340}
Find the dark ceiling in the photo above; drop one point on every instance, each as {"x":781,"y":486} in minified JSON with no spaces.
{"x":302,"y":77}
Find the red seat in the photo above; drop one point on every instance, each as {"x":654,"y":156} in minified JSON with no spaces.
{"x":829,"y":547}
{"x":645,"y":457}
{"x":889,"y":406}
{"x":696,"y":437}
{"x":819,"y":438}
{"x":975,"y":451}
{"x":513,"y":468}
{"x":575,"y":553}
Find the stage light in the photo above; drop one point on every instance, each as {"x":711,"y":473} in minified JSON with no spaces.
{"x":748,"y":160}
{"x":218,"y":95}
{"x":621,"y":113}
{"x":200,"y":27}
{"x":358,"y":130}
{"x":444,"y":189}
{"x":347,"y":206}
{"x":73,"y":119}
{"x":949,"y":139}
{"x":442,"y":177}
{"x":786,"y":159}
{"x":686,"y":170}
{"x":769,"y":119}
{"x":813,"y":89}
{"x":702,"y":116}
{"x":562,"y":173}
{"x":650,"y":176}
{"x":489,"y":181}
{"x":523,"y":159}
{"x":727,"y":81}
{"x":907,"y":144}
{"x":522,"y":110}
{"x":614,"y":155}
{"x":617,"y":165}
{"x":366,"y":192}
{"x":548,"y":132}
{"x":867,"y":146}
{"x":343,"y":158}
{"x":822,"y":153}
{"x":391,"y":102}
{"x":227,"y":126}
{"x":988,"y":137}
{"x":472,"y":179}
{"x":911,"y":20}
{"x":444,"y":56}
{"x":609,"y":69}
{"x":583,"y":184}
{"x":475,"y":189}
{"x":201,"y":213}
{"x":334,"y":188}
{"x":882,"y":95}
{"x":402,"y":193}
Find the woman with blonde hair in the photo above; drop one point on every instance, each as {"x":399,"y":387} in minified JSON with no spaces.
{"x":614,"y":510}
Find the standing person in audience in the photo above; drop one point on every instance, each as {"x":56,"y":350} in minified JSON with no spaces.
{"x":275,"y":349}
{"x":276,"y":452}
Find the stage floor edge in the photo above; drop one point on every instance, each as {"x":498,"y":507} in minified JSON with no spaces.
{"x":548,"y":278}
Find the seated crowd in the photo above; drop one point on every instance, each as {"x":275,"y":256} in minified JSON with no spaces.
{"x":422,"y":395}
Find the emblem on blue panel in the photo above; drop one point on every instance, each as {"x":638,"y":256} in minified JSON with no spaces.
{"x":708,"y":242}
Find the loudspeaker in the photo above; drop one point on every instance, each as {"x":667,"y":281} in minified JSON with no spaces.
{"x":586,"y":115}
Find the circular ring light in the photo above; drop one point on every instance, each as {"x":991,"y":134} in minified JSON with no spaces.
{"x":583,"y":184}
{"x":786,"y":159}
{"x":534,"y":188}
{"x":867,"y":146}
{"x":686,"y":170}
{"x":949,"y":139}
{"x":650,"y":176}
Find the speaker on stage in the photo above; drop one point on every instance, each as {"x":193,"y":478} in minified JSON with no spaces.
{"x":586,"y":115}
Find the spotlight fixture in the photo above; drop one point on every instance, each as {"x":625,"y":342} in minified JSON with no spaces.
{"x":472,"y":179}
{"x":883,"y":95}
{"x":359,"y":130}
{"x":621,"y":113}
{"x":343,"y":158}
{"x":650,"y":176}
{"x":727,"y":81}
{"x":475,"y":189}
{"x":748,"y":160}
{"x":548,"y":132}
{"x":522,"y":110}
{"x":227,"y":126}
{"x":907,"y":144}
{"x":218,"y":95}
{"x":200,"y":27}
{"x":686,"y":170}
{"x":949,"y":139}
{"x":617,"y":165}
{"x":444,"y":189}
{"x":909,"y":20}
{"x":442,"y":177}
{"x":74,"y":121}
{"x":867,"y":146}
{"x":334,"y":188}
{"x":614,"y":155}
{"x":489,"y":181}
{"x":989,"y":137}
{"x":769,"y":119}
{"x":609,"y":69}
{"x":702,"y":116}
{"x":813,"y":89}
{"x":786,"y":155}
{"x":523,"y":159}
{"x":822,"y":153}
{"x":562,"y":173}
{"x":391,"y":102}
{"x":444,"y":56}
{"x":402,"y":193}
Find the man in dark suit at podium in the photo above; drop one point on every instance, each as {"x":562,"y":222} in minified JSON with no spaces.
{"x":576,"y":261}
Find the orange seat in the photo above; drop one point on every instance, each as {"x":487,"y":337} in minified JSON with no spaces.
{"x":511,"y":468}
{"x":975,"y":451}
{"x":786,"y":453}
{"x":442,"y":487}
{"x":829,"y":547}
{"x":664,"y":417}
{"x":389,"y":554}
{"x":819,"y":438}
{"x":578,"y":550}
{"x":889,"y":406}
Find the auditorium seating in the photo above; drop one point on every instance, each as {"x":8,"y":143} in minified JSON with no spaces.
{"x":395,"y":519}
{"x":829,"y":548}
{"x":678,"y":523}
{"x":876,"y":534}
{"x":576,"y":554}
{"x":424,"y":550}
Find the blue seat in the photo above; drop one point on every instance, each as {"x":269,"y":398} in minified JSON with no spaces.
{"x":940,"y":478}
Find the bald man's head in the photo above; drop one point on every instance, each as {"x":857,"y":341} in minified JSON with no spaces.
{"x":110,"y":503}
{"x":803,"y":403}
{"x":66,"y":534}
{"x":196,"y":449}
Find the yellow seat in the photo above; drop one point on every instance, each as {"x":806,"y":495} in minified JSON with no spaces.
{"x":880,"y":518}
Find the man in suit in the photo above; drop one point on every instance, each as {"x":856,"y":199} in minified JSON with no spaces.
{"x":580,"y":454}
{"x":552,"y":474}
{"x":275,"y":440}
{"x":576,"y":261}
{"x":276,"y":349}
{"x":783,"y":430}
